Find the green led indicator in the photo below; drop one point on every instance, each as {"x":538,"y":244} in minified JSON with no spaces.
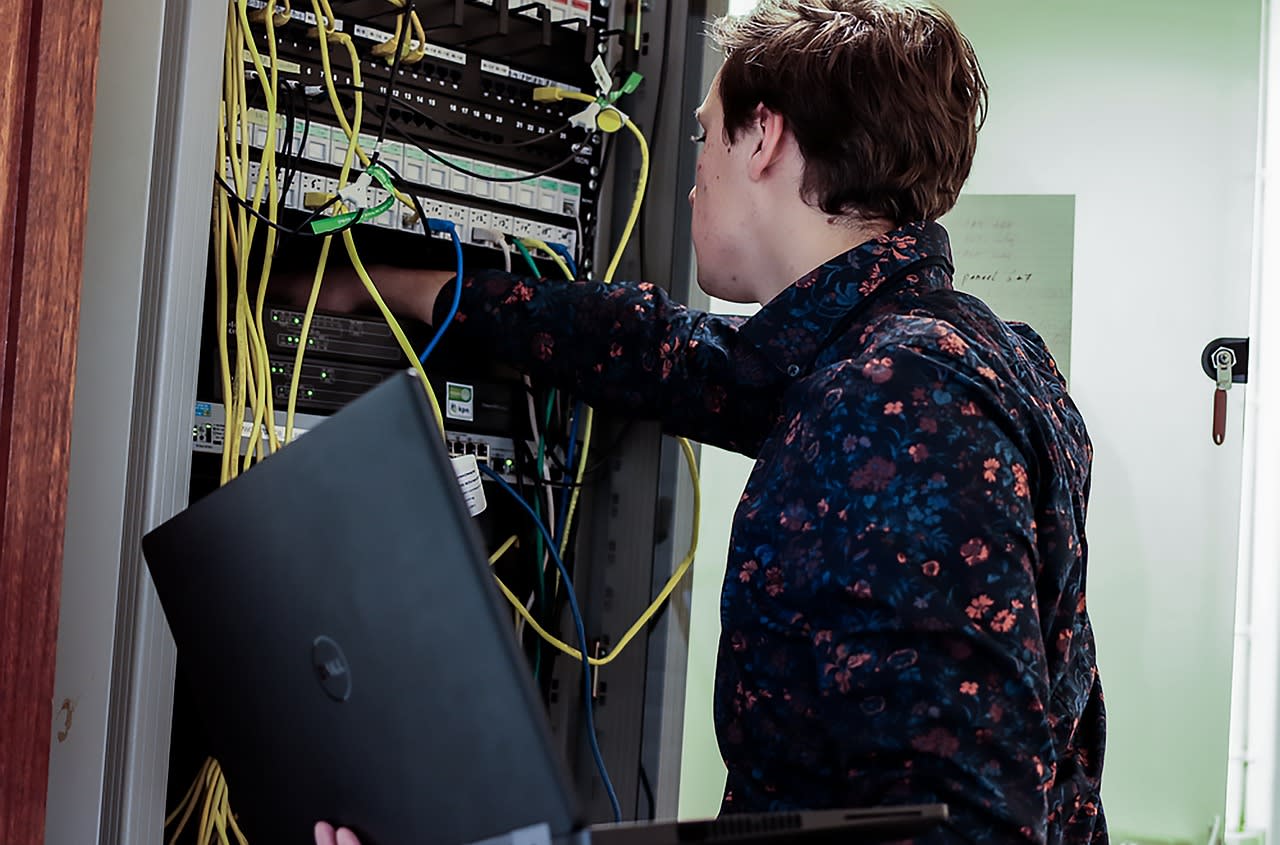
{"x":310,"y":393}
{"x":324,"y":374}
{"x":297,"y":321}
{"x":311,"y":341}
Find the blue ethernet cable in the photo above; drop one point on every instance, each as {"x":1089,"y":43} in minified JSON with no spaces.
{"x":435,"y":224}
{"x":563,"y":251}
{"x":568,"y":475}
{"x":582,"y":639}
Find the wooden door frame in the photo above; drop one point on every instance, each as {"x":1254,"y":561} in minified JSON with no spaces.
{"x":48,"y":72}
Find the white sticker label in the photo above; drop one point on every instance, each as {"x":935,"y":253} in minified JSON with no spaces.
{"x":604,"y":82}
{"x":540,"y":80}
{"x":496,"y":68}
{"x":296,"y":14}
{"x":368,"y":32}
{"x":246,"y":429}
{"x":460,"y":402}
{"x":471,"y":482}
{"x":455,"y":56}
{"x":529,"y":77}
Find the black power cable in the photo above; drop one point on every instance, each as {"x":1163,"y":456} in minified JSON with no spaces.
{"x":402,"y":26}
{"x":300,"y":229}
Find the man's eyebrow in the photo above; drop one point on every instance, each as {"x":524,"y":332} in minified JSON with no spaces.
{"x":697,"y":114}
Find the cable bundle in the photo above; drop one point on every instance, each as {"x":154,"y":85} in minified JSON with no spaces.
{"x":209,"y":792}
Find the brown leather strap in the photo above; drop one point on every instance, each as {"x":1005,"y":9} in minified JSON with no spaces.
{"x":1219,"y":416}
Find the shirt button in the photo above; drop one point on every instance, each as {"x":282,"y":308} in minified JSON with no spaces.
{"x":793,"y":370}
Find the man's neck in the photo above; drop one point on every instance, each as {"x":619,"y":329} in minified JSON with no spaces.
{"x":809,"y":239}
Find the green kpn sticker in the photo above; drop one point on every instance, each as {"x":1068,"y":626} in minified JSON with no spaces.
{"x":460,"y":402}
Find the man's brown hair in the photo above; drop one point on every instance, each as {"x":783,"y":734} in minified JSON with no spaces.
{"x":884,"y":97}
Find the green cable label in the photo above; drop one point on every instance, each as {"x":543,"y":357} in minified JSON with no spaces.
{"x":325,"y":225}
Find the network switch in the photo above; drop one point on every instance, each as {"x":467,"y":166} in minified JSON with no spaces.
{"x":209,"y":428}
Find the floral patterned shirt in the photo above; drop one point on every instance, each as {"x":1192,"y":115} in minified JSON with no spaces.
{"x":903,"y":613}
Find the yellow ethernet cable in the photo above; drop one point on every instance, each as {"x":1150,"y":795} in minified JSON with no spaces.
{"x":663,"y":595}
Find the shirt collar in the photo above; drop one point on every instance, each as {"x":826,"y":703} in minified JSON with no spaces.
{"x":798,"y":323}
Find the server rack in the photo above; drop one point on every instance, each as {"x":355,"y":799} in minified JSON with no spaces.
{"x":642,"y":501}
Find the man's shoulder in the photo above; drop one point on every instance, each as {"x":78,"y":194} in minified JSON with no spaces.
{"x":915,"y":345}
{"x":954,"y":339}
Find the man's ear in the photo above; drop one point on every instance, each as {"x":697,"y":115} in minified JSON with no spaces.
{"x":769,"y":129}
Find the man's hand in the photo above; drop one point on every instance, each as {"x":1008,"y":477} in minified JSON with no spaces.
{"x":326,"y":835}
{"x":407,"y":292}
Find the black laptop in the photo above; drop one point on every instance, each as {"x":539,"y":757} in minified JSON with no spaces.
{"x":336,"y":619}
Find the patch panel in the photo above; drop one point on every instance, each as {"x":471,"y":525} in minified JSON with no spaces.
{"x":473,"y":189}
{"x":466,"y":218}
{"x":329,"y":144}
{"x":472,"y":90}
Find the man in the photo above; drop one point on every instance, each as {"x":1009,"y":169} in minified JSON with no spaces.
{"x":904,"y":608}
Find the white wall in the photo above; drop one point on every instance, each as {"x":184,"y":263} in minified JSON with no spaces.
{"x":1148,"y":112}
{"x":1252,"y":796}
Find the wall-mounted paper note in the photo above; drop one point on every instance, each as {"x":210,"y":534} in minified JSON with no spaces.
{"x":1015,"y":252}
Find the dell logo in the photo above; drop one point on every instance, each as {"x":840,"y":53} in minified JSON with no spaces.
{"x":331,"y":667}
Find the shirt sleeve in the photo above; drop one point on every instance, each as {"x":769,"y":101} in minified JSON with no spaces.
{"x":626,"y":348}
{"x":907,"y":528}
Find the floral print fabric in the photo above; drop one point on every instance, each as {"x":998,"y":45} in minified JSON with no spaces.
{"x":903,"y":612}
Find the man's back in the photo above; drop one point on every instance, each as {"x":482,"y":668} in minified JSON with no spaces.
{"x":904,"y":608}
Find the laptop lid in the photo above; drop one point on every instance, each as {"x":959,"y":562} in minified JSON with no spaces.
{"x":333,"y":611}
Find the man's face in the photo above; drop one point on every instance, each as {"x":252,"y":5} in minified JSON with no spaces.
{"x":722,"y":211}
